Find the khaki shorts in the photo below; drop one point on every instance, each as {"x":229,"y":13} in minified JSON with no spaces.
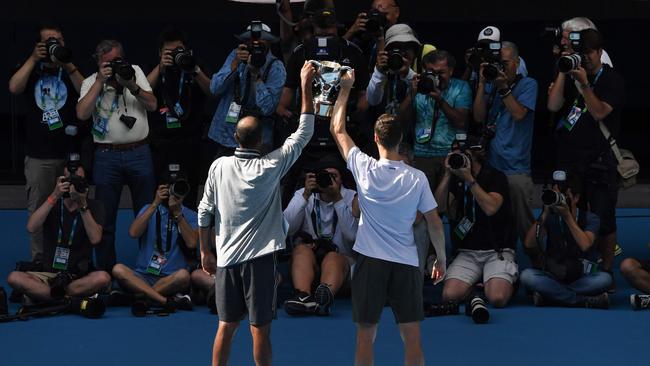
{"x":470,"y":265}
{"x":44,"y":277}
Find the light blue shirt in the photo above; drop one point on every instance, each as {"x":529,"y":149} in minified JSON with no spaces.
{"x":175,"y":258}
{"x":458,"y":95}
{"x":264,"y":95}
{"x":510,"y":149}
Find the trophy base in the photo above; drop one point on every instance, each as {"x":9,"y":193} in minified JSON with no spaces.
{"x":323,"y":109}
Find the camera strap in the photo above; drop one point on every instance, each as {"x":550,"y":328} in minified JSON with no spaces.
{"x":59,"y":237}
{"x":170,"y":227}
{"x":107,"y":112}
{"x":173,"y":110}
{"x":580,"y":99}
{"x":317,"y":223}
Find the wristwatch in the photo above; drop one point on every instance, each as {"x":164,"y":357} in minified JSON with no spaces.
{"x":137,"y":91}
{"x":83,"y":209}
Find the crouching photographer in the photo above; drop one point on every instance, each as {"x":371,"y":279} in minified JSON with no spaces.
{"x":475,"y":197}
{"x":320,"y":216}
{"x":589,"y":96}
{"x":71,"y":225}
{"x":561,"y":247}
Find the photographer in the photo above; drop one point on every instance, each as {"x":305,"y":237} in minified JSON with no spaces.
{"x":507,"y":104}
{"x":440,"y":104}
{"x":71,"y":225}
{"x":248,"y":84}
{"x":561,"y":247}
{"x":49,"y":86}
{"x":577,"y":24}
{"x":637,"y":273}
{"x":180,"y":87}
{"x":585,"y":96}
{"x":320,"y":219}
{"x":161,"y":271}
{"x":475,"y":197}
{"x":117,"y":97}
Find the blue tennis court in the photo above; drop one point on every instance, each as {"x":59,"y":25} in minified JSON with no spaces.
{"x":518,"y":335}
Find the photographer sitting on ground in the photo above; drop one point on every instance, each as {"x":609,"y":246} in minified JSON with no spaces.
{"x":637,"y":272}
{"x":561,"y":247}
{"x":476,"y":199}
{"x":320,"y":218}
{"x":71,"y":225}
{"x":161,"y":270}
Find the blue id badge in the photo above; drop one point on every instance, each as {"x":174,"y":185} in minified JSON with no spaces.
{"x":172,"y":121}
{"x":51,"y":116}
{"x":178,"y":109}
{"x":100,"y":128}
{"x":423,"y":135}
{"x":572,"y":118}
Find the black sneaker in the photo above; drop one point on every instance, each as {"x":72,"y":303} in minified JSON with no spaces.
{"x":183,"y":302}
{"x":301,"y":304}
{"x":324,"y":298}
{"x":170,"y":306}
{"x":597,"y":302}
{"x":640,"y":301}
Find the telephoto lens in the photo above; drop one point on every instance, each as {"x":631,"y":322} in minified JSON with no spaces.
{"x":568,"y":63}
{"x":376,"y":20}
{"x":491,"y":71}
{"x":429,"y":82}
{"x":458,"y":160}
{"x":477,"y":309}
{"x":184,"y":59}
{"x":439,"y":309}
{"x":92,"y":307}
{"x":58,"y":51}
{"x":123,"y":68}
{"x":552,"y":198}
{"x":395,"y":60}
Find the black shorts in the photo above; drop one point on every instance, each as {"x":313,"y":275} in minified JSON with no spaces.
{"x":645,"y":265}
{"x":376,"y":281}
{"x":601,"y":192}
{"x":248,"y":287}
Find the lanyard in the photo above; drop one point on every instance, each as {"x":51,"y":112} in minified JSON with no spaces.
{"x":55,"y":98}
{"x":317,"y":223}
{"x":591,"y":85}
{"x":109,"y":112}
{"x":59,"y":238}
{"x":170,"y":227}
{"x":238,"y":97}
{"x":392,"y":104}
{"x":470,"y":204}
{"x":180,"y":84}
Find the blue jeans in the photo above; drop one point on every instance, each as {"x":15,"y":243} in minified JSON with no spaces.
{"x":112,"y":169}
{"x":567,"y":294}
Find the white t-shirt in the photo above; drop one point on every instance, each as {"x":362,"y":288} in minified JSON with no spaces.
{"x":118,"y":132}
{"x":390,"y":194}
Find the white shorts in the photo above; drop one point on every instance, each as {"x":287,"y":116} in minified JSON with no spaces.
{"x":470,"y":265}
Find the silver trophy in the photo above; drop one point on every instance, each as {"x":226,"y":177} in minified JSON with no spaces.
{"x":326,"y":86}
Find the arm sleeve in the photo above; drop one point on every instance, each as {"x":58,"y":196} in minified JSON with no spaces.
{"x":464,"y":99}
{"x":224,"y":77}
{"x":208,"y":202}
{"x":86,"y":84}
{"x":347,"y":222}
{"x":375,"y":90}
{"x":141,"y":79}
{"x":427,"y":202}
{"x":527,"y":94}
{"x":267,"y":94}
{"x":295,"y":211}
{"x":288,"y":153}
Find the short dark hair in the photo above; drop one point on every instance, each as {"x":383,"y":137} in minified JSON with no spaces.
{"x":592,"y":39}
{"x":49,"y":25}
{"x":171,"y":34}
{"x":439,"y":55}
{"x":249,"y":137}
{"x":388,"y":130}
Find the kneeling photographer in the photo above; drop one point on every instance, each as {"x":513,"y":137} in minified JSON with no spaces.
{"x":561,"y":248}
{"x":589,"y":96}
{"x":324,"y":229}
{"x":162,"y":227}
{"x":476,"y":199}
{"x":71,"y":225}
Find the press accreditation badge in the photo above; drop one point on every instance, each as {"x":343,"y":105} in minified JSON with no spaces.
{"x":156,"y":263}
{"x":572,"y":118}
{"x":100,"y":128}
{"x":233,"y":113}
{"x":52,"y":118}
{"x":423,"y":135}
{"x":61,"y":257}
{"x":463,"y":228}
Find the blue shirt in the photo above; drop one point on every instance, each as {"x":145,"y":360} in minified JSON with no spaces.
{"x":560,"y":243}
{"x":458,"y":95}
{"x":264,"y":95}
{"x":510,"y":149}
{"x":175,"y":258}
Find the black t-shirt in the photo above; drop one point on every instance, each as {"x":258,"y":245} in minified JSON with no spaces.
{"x":40,"y":141}
{"x":585,"y":142}
{"x":488,"y":232}
{"x":192,"y":102}
{"x":81,"y":250}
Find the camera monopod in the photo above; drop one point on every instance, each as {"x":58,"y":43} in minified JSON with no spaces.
{"x":89,"y":307}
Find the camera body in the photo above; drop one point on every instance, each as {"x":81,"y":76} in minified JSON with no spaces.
{"x":323,"y":180}
{"x":459,"y":160}
{"x":376,"y":21}
{"x":484,"y":51}
{"x":59,"y":283}
{"x":574,"y":60}
{"x":396,"y":59}
{"x":552,"y":198}
{"x":492,"y":69}
{"x":256,"y":48}
{"x":429,"y":82}
{"x":123,"y":68}
{"x":57,"y":50}
{"x":177,"y":181}
{"x":80,"y":183}
{"x":183,"y":59}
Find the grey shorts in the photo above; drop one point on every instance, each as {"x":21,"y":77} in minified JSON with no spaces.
{"x":470,"y":266}
{"x":149,"y":278}
{"x":248,"y":287}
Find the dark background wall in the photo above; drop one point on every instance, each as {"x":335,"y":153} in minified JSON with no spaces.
{"x":448,"y":25}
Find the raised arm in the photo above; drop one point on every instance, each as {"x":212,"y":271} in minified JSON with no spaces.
{"x":337,"y":125}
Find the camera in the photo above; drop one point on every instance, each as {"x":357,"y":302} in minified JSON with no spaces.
{"x":552,"y":35}
{"x":491,"y":70}
{"x":58,"y":284}
{"x":323,"y":180}
{"x":440,"y":309}
{"x":57,"y":50}
{"x":484,"y":51}
{"x":376,"y":21}
{"x":551,"y":197}
{"x":80,"y":183}
{"x":429,"y":82}
{"x":396,"y":59}
{"x":178,"y":184}
{"x":256,"y":48}
{"x":477,"y":309}
{"x":183,"y":59}
{"x":92,"y":307}
{"x":123,"y":68}
{"x":574,"y":60}
{"x":459,"y":160}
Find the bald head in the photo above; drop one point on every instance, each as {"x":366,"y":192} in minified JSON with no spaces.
{"x":248,"y":133}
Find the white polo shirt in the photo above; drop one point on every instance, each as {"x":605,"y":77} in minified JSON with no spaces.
{"x":390,"y":194}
